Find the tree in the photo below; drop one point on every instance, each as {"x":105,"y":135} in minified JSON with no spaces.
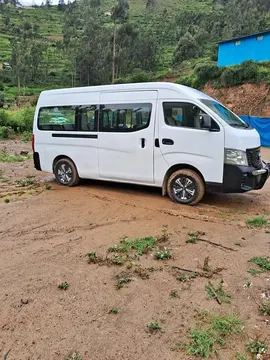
{"x":48,"y":3}
{"x":120,"y":14}
{"x":187,"y":48}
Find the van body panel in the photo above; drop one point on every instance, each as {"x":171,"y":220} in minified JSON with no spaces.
{"x":193,"y":147}
{"x":128,"y":156}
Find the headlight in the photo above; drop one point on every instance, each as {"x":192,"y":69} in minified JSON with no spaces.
{"x":235,"y":157}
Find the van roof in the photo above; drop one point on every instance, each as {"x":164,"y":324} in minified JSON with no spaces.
{"x":184,"y":90}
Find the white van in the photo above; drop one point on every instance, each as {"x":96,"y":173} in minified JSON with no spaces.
{"x":157,"y":134}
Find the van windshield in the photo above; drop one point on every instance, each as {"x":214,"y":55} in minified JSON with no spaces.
{"x":229,"y":117}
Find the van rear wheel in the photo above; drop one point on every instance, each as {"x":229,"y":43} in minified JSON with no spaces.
{"x":66,"y":173}
{"x":186,"y":187}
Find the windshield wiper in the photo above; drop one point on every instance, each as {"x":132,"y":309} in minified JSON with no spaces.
{"x":237,"y":125}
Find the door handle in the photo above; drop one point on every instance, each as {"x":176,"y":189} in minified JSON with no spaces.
{"x":167,"y":142}
{"x":143,"y":143}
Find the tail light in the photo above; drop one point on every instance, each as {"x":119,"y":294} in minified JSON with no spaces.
{"x":33,"y":143}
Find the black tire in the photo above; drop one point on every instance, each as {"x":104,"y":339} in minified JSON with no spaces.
{"x":66,"y":173}
{"x":186,"y":187}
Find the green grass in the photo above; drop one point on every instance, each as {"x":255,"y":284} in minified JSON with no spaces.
{"x":257,"y":222}
{"x":115,"y":311}
{"x":7,"y":158}
{"x":254,"y":272}
{"x":74,"y":356}
{"x":218,"y":292}
{"x":182,"y":277}
{"x":118,"y":260}
{"x":63,"y":286}
{"x":28,"y":181}
{"x":202,"y":343}
{"x":154,"y":327}
{"x":206,"y":340}
{"x":264,"y":308}
{"x":256,"y":347}
{"x":262,"y":262}
{"x":140,"y":245}
{"x":164,"y":254}
{"x":122,"y":280}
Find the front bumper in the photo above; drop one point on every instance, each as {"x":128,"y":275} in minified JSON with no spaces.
{"x":239,"y":179}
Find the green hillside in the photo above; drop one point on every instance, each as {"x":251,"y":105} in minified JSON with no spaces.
{"x":59,"y":46}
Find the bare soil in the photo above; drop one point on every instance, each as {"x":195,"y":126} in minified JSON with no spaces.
{"x":46,"y":234}
{"x":247,"y":99}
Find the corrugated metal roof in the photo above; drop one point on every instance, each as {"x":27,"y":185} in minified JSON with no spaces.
{"x":245,"y":36}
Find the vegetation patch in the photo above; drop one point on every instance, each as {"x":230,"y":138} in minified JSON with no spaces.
{"x":74,"y":356}
{"x":154,"y":327}
{"x":262,"y":262}
{"x":164,"y":254}
{"x":6,"y":157}
{"x":63,"y":286}
{"x":258,"y":222}
{"x":206,"y":340}
{"x":257,"y":348}
{"x":193,"y":237}
{"x":140,"y":245}
{"x":29,"y":181}
{"x":217,"y":293}
{"x":264,"y":308}
{"x":114,"y":311}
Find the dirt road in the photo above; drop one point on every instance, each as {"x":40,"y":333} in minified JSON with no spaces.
{"x":46,"y":234}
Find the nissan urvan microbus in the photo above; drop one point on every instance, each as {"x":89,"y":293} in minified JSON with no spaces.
{"x":156,"y":134}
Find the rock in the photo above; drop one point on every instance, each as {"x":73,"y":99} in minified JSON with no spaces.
{"x":24,"y":301}
{"x":23,"y":152}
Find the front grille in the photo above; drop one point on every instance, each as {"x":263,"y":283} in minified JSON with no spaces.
{"x":254,"y":157}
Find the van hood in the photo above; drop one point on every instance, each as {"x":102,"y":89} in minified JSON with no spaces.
{"x":241,"y":139}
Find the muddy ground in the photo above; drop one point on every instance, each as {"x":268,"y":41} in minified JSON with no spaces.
{"x":46,"y":232}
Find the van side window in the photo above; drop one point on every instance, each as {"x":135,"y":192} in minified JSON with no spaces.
{"x":58,"y":118}
{"x":88,"y":118}
{"x":182,"y":115}
{"x":124,"y":118}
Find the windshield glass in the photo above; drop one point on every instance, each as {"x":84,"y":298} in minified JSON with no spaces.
{"x":229,"y":117}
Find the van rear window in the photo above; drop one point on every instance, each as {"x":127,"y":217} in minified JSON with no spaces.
{"x":59,"y":118}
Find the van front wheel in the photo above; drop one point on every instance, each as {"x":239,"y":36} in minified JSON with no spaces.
{"x":66,"y":173}
{"x":186,"y":187}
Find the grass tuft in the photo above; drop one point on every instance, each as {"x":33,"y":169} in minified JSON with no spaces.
{"x":258,"y":222}
{"x":74,"y":356}
{"x":7,"y":158}
{"x":63,"y":286}
{"x":217,"y":292}
{"x":264,"y":308}
{"x":154,"y":327}
{"x":262,"y":262}
{"x":114,"y":311}
{"x":257,"y":348}
{"x":164,"y":254}
{"x":140,"y":245}
{"x":205,"y":340}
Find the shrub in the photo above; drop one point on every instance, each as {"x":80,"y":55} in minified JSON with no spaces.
{"x":249,"y":71}
{"x":207,"y":72}
{"x":6,"y":132}
{"x":139,"y":77}
{"x":187,"y":80}
{"x":1,"y":86}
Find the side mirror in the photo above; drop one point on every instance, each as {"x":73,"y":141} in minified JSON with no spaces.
{"x":206,"y":121}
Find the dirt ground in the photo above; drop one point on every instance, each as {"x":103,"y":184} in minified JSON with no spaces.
{"x":45,"y":235}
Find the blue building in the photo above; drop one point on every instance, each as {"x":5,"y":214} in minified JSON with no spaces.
{"x":252,"y":47}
